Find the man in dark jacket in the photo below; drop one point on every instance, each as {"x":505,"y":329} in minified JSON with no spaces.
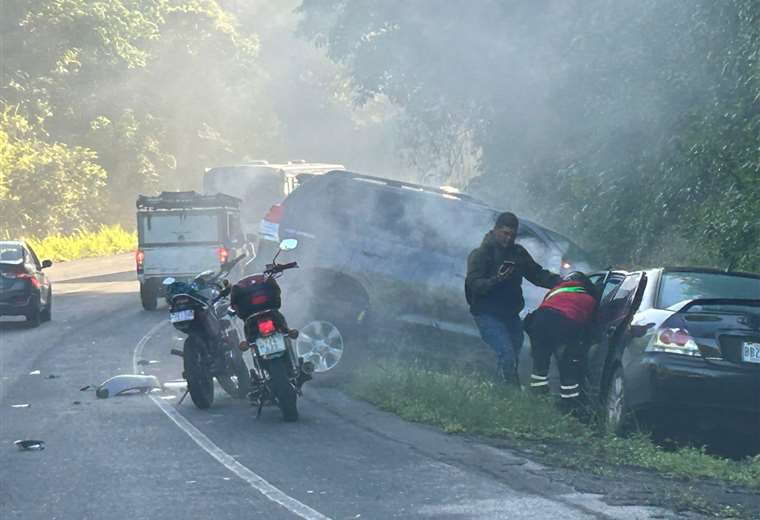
{"x":493,"y":289}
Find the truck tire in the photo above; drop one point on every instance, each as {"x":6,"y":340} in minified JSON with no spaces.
{"x":149,"y":295}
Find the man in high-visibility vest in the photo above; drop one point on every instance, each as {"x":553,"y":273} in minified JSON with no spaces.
{"x":559,"y":326}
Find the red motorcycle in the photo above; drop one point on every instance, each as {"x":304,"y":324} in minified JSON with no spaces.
{"x":278,"y":373}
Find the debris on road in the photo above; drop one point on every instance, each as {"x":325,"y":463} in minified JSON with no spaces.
{"x":77,"y":402}
{"x":52,"y":376}
{"x":85,"y":388}
{"x":29,"y":445}
{"x":178,"y":385}
{"x":146,"y":362}
{"x":24,"y":405}
{"x":34,"y":373}
{"x":127,"y":384}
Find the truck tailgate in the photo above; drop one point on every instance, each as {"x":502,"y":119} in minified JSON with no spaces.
{"x":180,"y":260}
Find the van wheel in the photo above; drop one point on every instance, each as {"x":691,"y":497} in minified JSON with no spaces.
{"x":149,"y":296}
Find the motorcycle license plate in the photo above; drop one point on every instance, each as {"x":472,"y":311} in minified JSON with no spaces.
{"x":185,"y":315}
{"x":271,"y":345}
{"x":751,"y":352}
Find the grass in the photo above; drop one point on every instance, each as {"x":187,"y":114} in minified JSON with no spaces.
{"x":108,"y":240}
{"x":468,"y":403}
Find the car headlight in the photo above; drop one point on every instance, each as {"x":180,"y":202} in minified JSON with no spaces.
{"x":673,"y":341}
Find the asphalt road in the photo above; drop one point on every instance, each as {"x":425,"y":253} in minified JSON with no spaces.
{"x":143,"y":457}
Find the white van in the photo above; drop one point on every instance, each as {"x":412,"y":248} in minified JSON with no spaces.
{"x":181,"y":234}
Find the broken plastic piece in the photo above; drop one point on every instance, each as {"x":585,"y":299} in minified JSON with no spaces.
{"x":85,"y":388}
{"x":126,"y":383}
{"x":52,"y":376}
{"x":28,"y":445}
{"x":34,"y":373}
{"x":146,"y":362}
{"x":25,"y":405}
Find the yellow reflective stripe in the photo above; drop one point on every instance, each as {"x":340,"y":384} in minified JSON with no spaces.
{"x":540,"y":383}
{"x":569,"y":387}
{"x":564,"y":290}
{"x":536,"y":376}
{"x":568,"y":396}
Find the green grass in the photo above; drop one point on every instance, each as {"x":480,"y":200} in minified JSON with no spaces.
{"x":108,"y":240}
{"x":469,"y":403}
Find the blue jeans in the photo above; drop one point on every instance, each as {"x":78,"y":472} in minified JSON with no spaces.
{"x":505,"y":336}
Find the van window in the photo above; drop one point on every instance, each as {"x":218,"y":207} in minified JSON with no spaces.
{"x":178,"y":227}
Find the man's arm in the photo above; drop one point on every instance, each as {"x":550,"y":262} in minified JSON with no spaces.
{"x":479,"y":280}
{"x":539,"y":276}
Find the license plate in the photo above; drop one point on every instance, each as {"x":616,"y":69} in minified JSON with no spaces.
{"x":270,"y":345}
{"x":751,"y":352}
{"x":185,"y":315}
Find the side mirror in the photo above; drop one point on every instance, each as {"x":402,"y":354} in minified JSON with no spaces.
{"x":288,"y":244}
{"x":46,"y":264}
{"x":168,"y":281}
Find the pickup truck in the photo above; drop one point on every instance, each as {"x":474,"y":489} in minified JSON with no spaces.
{"x":183,"y":233}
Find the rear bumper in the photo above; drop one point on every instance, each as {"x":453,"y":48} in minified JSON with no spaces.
{"x":16,"y":304}
{"x":672,"y":381}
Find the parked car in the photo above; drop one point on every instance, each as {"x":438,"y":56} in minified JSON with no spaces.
{"x":182,"y":233}
{"x":260,"y":184}
{"x":24,"y":288}
{"x":392,"y":251}
{"x":677,"y":344}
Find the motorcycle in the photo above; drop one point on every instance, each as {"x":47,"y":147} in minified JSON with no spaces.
{"x":200,"y":310}
{"x":278,"y":373}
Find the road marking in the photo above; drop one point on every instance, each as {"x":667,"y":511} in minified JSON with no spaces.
{"x":254,"y":480}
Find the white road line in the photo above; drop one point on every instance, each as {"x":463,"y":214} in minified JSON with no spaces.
{"x":255,"y":481}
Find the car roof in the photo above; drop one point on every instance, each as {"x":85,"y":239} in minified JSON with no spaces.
{"x":443,"y":191}
{"x":291,"y":167}
{"x":709,"y":270}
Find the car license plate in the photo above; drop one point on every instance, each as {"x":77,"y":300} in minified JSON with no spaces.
{"x":185,"y":315}
{"x":271,"y":344}
{"x":751,"y":352}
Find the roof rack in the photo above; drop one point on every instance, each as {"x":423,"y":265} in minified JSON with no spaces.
{"x":445,"y":191}
{"x":186,"y":200}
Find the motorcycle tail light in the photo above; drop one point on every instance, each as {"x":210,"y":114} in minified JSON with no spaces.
{"x":266,"y":327}
{"x":224,"y":254}
{"x":259,"y":299}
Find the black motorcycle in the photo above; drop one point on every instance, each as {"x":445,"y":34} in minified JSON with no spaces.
{"x":200,"y":309}
{"x":278,"y":373}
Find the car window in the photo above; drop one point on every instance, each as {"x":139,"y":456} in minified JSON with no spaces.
{"x":676,"y":287}
{"x":617,"y":303}
{"x":34,"y":257}
{"x":10,"y":252}
{"x":178,"y":227}
{"x":233,"y":227}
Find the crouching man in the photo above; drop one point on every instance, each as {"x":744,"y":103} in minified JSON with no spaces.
{"x":559,"y":326}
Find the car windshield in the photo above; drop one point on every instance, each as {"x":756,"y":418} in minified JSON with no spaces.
{"x":11,"y":252}
{"x":176,"y":227}
{"x":676,"y":287}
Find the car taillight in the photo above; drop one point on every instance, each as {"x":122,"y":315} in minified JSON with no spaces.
{"x":23,"y":276}
{"x":266,"y":327}
{"x":673,"y":341}
{"x":275,"y":214}
{"x":259,"y":299}
{"x":224,"y":254}
{"x":139,"y":260}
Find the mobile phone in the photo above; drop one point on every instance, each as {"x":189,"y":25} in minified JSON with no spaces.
{"x":505,"y":267}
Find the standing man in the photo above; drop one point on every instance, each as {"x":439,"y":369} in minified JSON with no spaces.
{"x":493,"y":289}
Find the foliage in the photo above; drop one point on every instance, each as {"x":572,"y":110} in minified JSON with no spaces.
{"x":141,"y":87}
{"x":630,"y":125}
{"x":108,"y":240}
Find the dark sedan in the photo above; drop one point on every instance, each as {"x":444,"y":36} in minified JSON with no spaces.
{"x":24,"y":288}
{"x":677,"y":345}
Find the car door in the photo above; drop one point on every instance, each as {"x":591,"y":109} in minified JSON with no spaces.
{"x":34,"y":268}
{"x":621,"y":296}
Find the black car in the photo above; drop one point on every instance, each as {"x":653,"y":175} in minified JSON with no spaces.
{"x":677,"y":345}
{"x":24,"y":288}
{"x":391,"y":251}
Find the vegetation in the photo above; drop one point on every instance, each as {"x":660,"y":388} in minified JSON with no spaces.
{"x":467,"y":403}
{"x":630,"y":125}
{"x":108,"y":240}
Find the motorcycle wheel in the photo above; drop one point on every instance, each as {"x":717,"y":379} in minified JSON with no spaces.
{"x":238,"y":384}
{"x":200,"y":382}
{"x":287,"y":399}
